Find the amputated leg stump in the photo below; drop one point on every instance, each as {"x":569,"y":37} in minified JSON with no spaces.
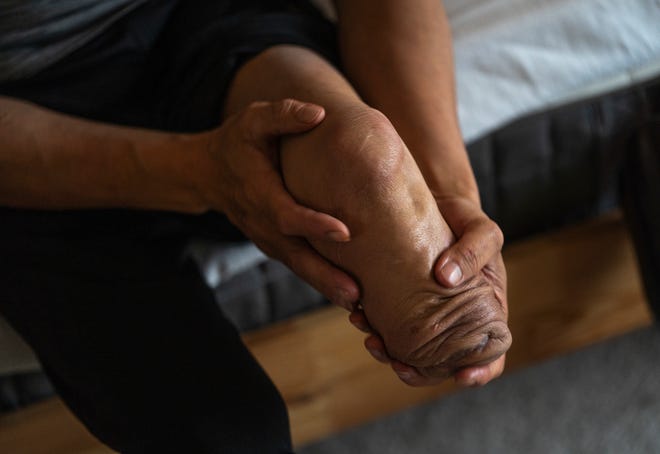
{"x":354,"y":166}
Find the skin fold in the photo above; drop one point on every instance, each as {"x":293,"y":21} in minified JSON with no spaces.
{"x":355,"y":167}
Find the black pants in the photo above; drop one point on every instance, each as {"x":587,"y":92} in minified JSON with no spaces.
{"x":121,"y":320}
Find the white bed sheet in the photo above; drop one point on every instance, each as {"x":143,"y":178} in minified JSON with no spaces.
{"x":514,"y":57}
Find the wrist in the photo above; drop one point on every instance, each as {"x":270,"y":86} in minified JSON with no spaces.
{"x":169,"y":168}
{"x":447,"y":170}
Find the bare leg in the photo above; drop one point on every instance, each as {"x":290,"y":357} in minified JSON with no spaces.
{"x":354,"y":166}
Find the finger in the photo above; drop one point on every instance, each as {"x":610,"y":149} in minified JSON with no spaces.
{"x":335,"y":284}
{"x":411,"y":376}
{"x":375,"y":346}
{"x":359,"y":320}
{"x":266,"y":120}
{"x":296,"y":220}
{"x":293,"y":219}
{"x":479,"y":376}
{"x":480,"y":241}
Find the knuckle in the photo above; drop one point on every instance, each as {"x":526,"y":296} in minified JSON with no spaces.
{"x":496,"y":234}
{"x":283,"y":108}
{"x":292,"y":261}
{"x":245,"y":125}
{"x":248,"y":115}
{"x":282,"y":223}
{"x":469,"y":258}
{"x":255,"y":106}
{"x":368,"y":140}
{"x":250,"y":120}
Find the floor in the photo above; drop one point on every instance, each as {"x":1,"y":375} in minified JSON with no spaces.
{"x":602,"y":399}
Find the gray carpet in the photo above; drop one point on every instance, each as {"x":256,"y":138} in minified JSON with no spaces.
{"x":603,"y":399}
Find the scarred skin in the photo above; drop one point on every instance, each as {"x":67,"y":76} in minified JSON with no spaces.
{"x":355,"y":167}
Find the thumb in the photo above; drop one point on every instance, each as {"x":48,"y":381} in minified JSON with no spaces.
{"x":267,"y":120}
{"x":477,"y":246}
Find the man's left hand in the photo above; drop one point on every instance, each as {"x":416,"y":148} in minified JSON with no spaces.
{"x":478,"y":250}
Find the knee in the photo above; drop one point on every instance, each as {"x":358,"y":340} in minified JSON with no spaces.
{"x":365,"y":145}
{"x":355,"y":151}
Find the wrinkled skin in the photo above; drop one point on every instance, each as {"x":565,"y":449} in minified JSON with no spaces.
{"x":354,"y":166}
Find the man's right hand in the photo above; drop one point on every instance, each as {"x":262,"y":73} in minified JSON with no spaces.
{"x":243,"y":181}
{"x":49,"y":160}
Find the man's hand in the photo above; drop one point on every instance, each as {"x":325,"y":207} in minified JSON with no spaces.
{"x":244,"y":182}
{"x":232,"y":169}
{"x":478,"y":250}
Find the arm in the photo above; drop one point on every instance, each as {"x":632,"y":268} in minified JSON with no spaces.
{"x":399,"y":57}
{"x":54,"y":161}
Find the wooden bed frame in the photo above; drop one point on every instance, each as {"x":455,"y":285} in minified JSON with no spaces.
{"x":567,"y":290}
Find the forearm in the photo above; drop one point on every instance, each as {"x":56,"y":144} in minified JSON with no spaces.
{"x":399,"y":57}
{"x":54,"y":161}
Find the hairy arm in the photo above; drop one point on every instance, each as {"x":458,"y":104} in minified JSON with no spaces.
{"x":399,"y":57}
{"x":53,"y":161}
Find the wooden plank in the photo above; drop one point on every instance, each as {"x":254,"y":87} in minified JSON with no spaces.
{"x":46,"y":428}
{"x":573,"y":288}
{"x":566,"y":290}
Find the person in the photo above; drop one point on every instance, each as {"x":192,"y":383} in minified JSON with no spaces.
{"x":128,"y":127}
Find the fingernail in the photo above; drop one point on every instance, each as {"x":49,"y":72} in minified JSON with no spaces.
{"x":337,"y":236}
{"x":308,"y":113}
{"x":452,"y":273}
{"x":343,"y":299}
{"x":377,"y":354}
{"x":361,"y":326}
{"x":472,"y":381}
{"x":404,"y":376}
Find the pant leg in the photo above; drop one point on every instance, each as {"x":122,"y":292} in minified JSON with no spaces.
{"x":135,"y":344}
{"x":124,"y":326}
{"x":641,"y":193}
